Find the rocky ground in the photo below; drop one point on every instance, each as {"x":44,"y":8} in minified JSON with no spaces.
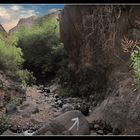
{"x":46,"y":113}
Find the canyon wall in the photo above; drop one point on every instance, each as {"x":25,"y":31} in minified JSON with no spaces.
{"x":92,"y":36}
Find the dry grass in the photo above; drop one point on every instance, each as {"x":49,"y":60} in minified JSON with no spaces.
{"x":129,"y":45}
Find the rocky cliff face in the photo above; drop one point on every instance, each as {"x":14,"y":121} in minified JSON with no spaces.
{"x":30,"y":21}
{"x":2,"y":30}
{"x":27,"y":22}
{"x":98,"y":66}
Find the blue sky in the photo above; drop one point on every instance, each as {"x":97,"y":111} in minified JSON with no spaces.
{"x":11,"y":13}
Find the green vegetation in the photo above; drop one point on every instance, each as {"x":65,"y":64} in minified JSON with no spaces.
{"x":26,"y":77}
{"x":135,"y":64}
{"x":42,"y":49}
{"x":133,"y":48}
{"x":66,"y":92}
{"x":10,"y":57}
{"x":11,"y":60}
{"x":35,"y":51}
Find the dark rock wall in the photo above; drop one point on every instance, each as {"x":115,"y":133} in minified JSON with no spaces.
{"x":92,"y":37}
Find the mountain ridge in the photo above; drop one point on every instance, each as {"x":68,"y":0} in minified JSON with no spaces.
{"x":2,"y":30}
{"x":30,"y":21}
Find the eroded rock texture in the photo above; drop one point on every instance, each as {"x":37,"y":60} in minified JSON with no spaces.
{"x":98,"y":66}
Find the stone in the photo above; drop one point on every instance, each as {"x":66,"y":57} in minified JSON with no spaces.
{"x":28,"y":133}
{"x":93,"y":133}
{"x":96,"y":126}
{"x":66,"y":133}
{"x":101,"y":132}
{"x":60,"y":103}
{"x":56,"y":96}
{"x":53,"y":104}
{"x":91,"y":126}
{"x":109,"y":134}
{"x":54,"y":87}
{"x":48,"y":133}
{"x":11,"y":108}
{"x":26,"y":114}
{"x":9,"y":133}
{"x":28,"y":108}
{"x":64,"y":122}
{"x":67,"y":107}
{"x":116,"y":131}
{"x":43,"y":129}
{"x":38,"y":102}
{"x":56,"y":114}
{"x":48,"y":90}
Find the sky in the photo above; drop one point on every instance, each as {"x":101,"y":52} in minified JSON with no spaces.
{"x":11,"y":13}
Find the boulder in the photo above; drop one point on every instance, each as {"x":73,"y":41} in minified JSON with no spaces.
{"x":96,"y":126}
{"x":54,"y":87}
{"x":67,"y":107}
{"x":93,"y":133}
{"x":101,"y":132}
{"x":28,"y":133}
{"x":65,"y":122}
{"x":11,"y":108}
{"x":28,"y":108}
{"x":69,"y":123}
{"x":9,"y":133}
{"x":48,"y":133}
{"x":60,"y":103}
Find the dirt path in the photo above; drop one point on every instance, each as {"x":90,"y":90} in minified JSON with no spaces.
{"x":45,"y":113}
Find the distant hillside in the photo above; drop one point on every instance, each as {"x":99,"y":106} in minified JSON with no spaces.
{"x":30,"y":21}
{"x":54,"y":16}
{"x":2,"y":31}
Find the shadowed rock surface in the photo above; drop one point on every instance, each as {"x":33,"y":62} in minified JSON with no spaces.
{"x":97,"y":64}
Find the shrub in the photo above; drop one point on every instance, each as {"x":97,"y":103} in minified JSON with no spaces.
{"x":10,"y":57}
{"x":26,"y":77}
{"x":64,"y":92}
{"x":135,"y":64}
{"x":132,"y":47}
{"x":42,"y":49}
{"x":67,"y":92}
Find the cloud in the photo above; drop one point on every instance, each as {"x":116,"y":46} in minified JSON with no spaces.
{"x":15,"y":7}
{"x":53,"y":10}
{"x":10,"y":15}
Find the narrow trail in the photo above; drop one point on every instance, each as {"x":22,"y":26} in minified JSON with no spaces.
{"x":42,"y":105}
{"x":26,"y":119}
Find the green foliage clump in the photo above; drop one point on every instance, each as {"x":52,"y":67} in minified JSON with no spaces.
{"x":67,"y":92}
{"x":64,"y":92}
{"x":26,"y":77}
{"x":43,"y":51}
{"x":37,"y":49}
{"x":10,"y":57}
{"x":135,"y":64}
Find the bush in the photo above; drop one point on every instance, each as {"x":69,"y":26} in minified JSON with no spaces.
{"x":132,"y":47}
{"x":64,"y":92}
{"x":10,"y":57}
{"x":135,"y":64}
{"x":26,"y":77}
{"x":42,"y":49}
{"x":11,"y":61}
{"x":67,"y":92}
